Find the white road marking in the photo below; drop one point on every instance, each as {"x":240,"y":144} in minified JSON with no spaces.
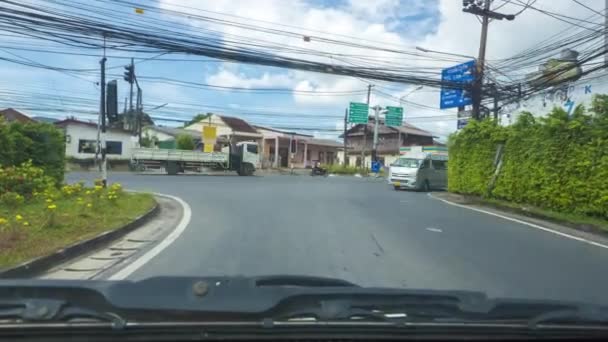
{"x":142,"y":260}
{"x":548,"y":230}
{"x":436,"y":230}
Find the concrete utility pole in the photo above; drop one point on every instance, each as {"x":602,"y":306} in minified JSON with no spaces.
{"x":377,"y":110}
{"x":131,"y":88}
{"x":345,"y":126}
{"x":471,"y":6}
{"x":102,"y":113}
{"x":369,"y":93}
{"x":480,"y":63}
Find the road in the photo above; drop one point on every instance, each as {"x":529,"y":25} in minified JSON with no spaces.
{"x":362,"y":231}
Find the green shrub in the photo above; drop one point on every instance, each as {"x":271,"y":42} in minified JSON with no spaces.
{"x":185,"y":142}
{"x":40,"y":143}
{"x":11,"y":199}
{"x":25,"y":180}
{"x":558,"y":162}
{"x":340,"y":169}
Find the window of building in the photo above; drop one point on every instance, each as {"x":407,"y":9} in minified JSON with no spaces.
{"x":114,"y":147}
{"x":87,"y":146}
{"x":330,"y":157}
{"x":321,"y":157}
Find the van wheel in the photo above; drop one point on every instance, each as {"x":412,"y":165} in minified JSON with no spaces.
{"x":426,"y":187}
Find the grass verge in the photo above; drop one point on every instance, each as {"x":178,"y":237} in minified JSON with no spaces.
{"x":42,"y":225}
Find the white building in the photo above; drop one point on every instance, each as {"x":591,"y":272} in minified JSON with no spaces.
{"x":81,"y":140}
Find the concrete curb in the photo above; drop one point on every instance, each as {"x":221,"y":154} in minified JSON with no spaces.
{"x":42,"y":264}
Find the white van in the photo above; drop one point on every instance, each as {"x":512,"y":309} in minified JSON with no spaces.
{"x":419,"y":171}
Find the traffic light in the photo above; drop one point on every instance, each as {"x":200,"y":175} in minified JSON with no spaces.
{"x":129,"y":73}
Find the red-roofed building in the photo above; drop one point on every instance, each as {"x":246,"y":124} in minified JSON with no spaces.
{"x":12,"y":115}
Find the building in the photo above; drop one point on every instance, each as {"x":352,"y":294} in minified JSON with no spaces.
{"x":12,"y":115}
{"x":228,"y":128}
{"x":390,"y":140}
{"x":81,"y":140}
{"x":308,"y":150}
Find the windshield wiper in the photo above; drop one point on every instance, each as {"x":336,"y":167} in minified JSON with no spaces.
{"x":35,"y":310}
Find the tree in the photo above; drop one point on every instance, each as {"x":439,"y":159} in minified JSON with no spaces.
{"x":185,"y":142}
{"x":197,"y":118}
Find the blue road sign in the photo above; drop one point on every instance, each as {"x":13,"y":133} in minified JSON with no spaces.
{"x":461,"y":123}
{"x":376,"y":166}
{"x":462,"y":73}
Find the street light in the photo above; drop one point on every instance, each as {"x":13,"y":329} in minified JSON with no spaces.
{"x":402,"y":98}
{"x":443,"y":53}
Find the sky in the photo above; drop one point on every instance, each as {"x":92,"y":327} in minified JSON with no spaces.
{"x":402,"y":25}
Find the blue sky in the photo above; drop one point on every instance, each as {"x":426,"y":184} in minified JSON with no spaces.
{"x":396,"y":24}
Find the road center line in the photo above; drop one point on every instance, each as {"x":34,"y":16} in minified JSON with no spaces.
{"x":142,"y":260}
{"x":435,"y":230}
{"x":593,"y":243}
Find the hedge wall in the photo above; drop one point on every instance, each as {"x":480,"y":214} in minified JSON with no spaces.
{"x":41,"y":143}
{"x":558,"y":162}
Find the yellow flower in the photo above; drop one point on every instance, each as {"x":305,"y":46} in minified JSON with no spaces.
{"x":49,"y":200}
{"x":88,"y":192}
{"x":3,"y":221}
{"x":18,"y":217}
{"x":26,"y":223}
{"x":52,"y":207}
{"x":98,"y":187}
{"x":89,"y":205}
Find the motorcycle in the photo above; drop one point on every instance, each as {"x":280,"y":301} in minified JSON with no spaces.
{"x":317,"y":170}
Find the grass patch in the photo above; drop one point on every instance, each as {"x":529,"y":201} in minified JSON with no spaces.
{"x":48,"y":222}
{"x":573,"y":220}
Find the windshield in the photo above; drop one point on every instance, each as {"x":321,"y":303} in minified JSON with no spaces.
{"x":408,"y":162}
{"x":305,"y":145}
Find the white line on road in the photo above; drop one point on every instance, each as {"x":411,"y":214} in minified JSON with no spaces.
{"x":435,"y":230}
{"x":548,"y":230}
{"x":142,"y":260}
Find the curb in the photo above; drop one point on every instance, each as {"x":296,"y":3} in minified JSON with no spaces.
{"x":41,"y":264}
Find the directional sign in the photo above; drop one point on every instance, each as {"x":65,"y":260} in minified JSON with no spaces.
{"x":358,"y":112}
{"x":456,"y":97}
{"x":461,"y":123}
{"x":394,"y":116}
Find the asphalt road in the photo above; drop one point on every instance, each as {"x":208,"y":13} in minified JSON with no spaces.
{"x":362,"y":231}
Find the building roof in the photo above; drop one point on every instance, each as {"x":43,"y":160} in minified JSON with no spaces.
{"x":11,"y":115}
{"x":272,"y":129}
{"x":73,"y":121}
{"x":322,"y":142}
{"x":238,"y":125}
{"x":175,"y":131}
{"x":382,"y":129}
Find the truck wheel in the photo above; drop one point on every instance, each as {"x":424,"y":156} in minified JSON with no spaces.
{"x":172,"y":168}
{"x":246,"y":169}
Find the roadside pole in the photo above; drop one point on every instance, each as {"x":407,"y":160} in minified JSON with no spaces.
{"x":345,"y":125}
{"x":369,"y":92}
{"x":102,"y":113}
{"x":377,"y":110}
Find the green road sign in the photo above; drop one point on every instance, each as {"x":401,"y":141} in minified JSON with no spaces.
{"x":357,"y":112}
{"x":394,"y":116}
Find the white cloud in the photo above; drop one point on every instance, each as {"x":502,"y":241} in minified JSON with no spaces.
{"x":372,"y":22}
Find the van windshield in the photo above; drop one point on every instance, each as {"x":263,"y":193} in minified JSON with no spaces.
{"x":408,"y":162}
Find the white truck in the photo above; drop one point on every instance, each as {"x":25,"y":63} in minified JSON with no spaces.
{"x":242,"y":158}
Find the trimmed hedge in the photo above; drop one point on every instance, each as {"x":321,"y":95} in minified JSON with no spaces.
{"x":41,"y":143}
{"x":558,"y":162}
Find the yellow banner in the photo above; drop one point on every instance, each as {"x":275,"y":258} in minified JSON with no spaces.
{"x":209,"y":133}
{"x":139,"y":10}
{"x":208,"y":148}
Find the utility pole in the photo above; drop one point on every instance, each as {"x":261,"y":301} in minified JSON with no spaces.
{"x":478,"y":88}
{"x":345,"y":125}
{"x":369,"y":92}
{"x":605,"y":32}
{"x":131,"y":87}
{"x":377,"y":110}
{"x":102,"y":113}
{"x":473,"y":7}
